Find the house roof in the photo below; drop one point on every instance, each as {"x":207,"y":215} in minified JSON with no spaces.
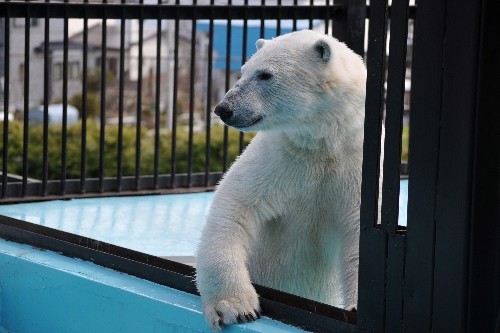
{"x":59,"y":45}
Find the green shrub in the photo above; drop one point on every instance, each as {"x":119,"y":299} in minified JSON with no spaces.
{"x":404,"y":143}
{"x":110,"y":165}
{"x":92,"y":103}
{"x":74,"y":144}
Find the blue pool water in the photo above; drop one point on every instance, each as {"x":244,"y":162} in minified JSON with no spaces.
{"x":160,"y":225}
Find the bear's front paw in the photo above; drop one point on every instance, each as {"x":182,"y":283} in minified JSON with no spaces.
{"x":240,"y":308}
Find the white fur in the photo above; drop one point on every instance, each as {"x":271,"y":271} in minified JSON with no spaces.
{"x":286,"y":214}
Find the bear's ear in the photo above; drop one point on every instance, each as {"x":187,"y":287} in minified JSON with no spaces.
{"x":322,"y":48}
{"x":259,"y":43}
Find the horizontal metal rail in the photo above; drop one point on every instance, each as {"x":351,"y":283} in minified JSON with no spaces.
{"x":173,"y":12}
{"x":109,"y":186}
{"x":179,"y":12}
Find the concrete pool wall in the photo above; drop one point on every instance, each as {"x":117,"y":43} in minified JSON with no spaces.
{"x":45,"y":292}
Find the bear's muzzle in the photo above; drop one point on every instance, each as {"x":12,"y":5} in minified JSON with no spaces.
{"x":239,"y":120}
{"x":223,"y":112}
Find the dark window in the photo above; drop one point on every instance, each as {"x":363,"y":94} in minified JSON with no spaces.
{"x":58,"y":71}
{"x":74,"y":70}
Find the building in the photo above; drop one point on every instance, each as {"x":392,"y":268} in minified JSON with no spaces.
{"x":35,"y":74}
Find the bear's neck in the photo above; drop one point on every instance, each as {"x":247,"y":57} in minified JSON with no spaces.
{"x":308,"y":141}
{"x":326,"y":139}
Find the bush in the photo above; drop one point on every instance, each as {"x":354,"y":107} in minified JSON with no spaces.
{"x":405,"y":143}
{"x":92,"y":103}
{"x":74,"y":144}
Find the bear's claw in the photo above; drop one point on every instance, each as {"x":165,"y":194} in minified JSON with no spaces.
{"x":248,"y":317}
{"x":230,"y":311}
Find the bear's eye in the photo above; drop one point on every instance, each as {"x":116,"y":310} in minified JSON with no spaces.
{"x":264,"y":76}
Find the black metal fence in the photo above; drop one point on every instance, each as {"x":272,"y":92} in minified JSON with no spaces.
{"x":182,"y":82}
{"x":428,"y":277}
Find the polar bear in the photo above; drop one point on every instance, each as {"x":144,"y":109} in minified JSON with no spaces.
{"x":286,"y":214}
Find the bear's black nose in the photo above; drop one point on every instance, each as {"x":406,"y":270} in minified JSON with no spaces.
{"x":223,"y":112}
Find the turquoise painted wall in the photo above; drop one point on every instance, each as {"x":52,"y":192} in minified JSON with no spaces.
{"x":45,"y":292}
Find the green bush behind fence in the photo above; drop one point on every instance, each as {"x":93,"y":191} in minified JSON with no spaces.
{"x":74,"y":144}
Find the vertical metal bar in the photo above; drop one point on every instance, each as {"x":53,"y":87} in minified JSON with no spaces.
{"x":262,"y":21}
{"x":350,"y":27}
{"x":278,"y":20}
{"x":209,"y":97}
{"x":26,"y":103}
{"x":157,"y":102}
{"x":6,"y":92}
{"x":425,"y":105}
{"x":46,"y":74}
{"x":62,"y":188}
{"x":83,"y":151}
{"x":46,"y":93}
{"x":373,"y":242}
{"x":102,"y":125}
{"x":139,"y":105}
{"x":294,"y":25}
{"x":173,"y":167}
{"x":327,"y":18}
{"x":395,"y":282}
{"x":121,"y":88}
{"x":191,"y":98}
{"x":225,"y":154}
{"x":394,"y":114}
{"x":484,"y":277}
{"x":392,"y":161}
{"x":311,"y":3}
{"x":456,"y":153}
{"x":374,"y":112}
{"x":340,"y":24}
{"x":243,"y":60}
{"x":356,"y":18}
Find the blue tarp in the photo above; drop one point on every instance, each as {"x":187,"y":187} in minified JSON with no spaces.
{"x":253,"y":33}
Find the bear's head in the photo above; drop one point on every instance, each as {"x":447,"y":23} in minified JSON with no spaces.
{"x":299,"y":78}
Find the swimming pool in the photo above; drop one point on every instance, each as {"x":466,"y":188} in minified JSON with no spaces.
{"x":161,"y":225}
